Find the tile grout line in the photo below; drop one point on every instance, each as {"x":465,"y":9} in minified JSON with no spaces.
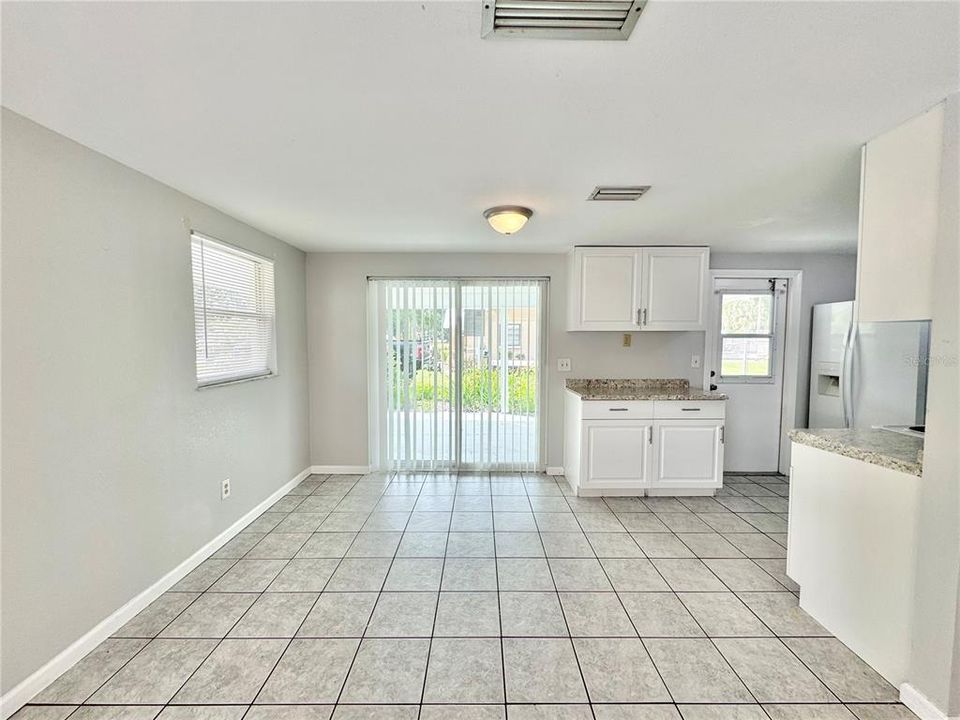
{"x":346,"y":677}
{"x":630,"y":619}
{"x":220,"y":641}
{"x":563,"y":614}
{"x":371,"y":511}
{"x":436,"y":609}
{"x":312,"y":606}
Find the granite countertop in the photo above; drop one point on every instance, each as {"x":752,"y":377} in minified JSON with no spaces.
{"x":640,"y":389}
{"x":892,"y":450}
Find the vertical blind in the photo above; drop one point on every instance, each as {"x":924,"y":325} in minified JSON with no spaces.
{"x":502,"y":374}
{"x":457,"y":369}
{"x":415,"y":326}
{"x":234,"y":312}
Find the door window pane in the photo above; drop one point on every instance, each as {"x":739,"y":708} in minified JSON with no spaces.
{"x":743,"y":314}
{"x":745,"y":357}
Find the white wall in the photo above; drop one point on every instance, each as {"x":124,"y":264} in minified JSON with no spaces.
{"x":111,"y":458}
{"x":336,"y":317}
{"x":936,"y":632}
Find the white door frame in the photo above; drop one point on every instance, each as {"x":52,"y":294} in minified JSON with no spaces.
{"x":791,"y":347}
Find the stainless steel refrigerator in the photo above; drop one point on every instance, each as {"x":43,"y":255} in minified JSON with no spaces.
{"x":866,"y":374}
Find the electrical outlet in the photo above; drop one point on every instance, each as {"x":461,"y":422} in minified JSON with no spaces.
{"x":695,"y":361}
{"x":627,"y":339}
{"x":564,"y":365}
{"x":225,"y":489}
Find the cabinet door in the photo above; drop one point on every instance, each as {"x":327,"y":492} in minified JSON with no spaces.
{"x":616,"y":454}
{"x":605,"y":289}
{"x":675,"y":282}
{"x":689,"y":454}
{"x":899,"y":203}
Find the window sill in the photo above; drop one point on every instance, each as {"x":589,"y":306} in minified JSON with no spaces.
{"x":238,"y":381}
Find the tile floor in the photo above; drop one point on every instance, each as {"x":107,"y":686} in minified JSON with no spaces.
{"x":483,"y":596}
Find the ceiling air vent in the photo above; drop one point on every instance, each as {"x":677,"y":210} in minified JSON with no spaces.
{"x":618,"y":192}
{"x":561,"y":19}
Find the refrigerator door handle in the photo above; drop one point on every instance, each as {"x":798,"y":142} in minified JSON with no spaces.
{"x":844,"y":376}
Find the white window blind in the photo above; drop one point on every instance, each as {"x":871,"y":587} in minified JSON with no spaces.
{"x":234,"y":310}
{"x":456,"y":373}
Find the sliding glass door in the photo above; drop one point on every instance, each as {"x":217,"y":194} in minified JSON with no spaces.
{"x":456,"y":364}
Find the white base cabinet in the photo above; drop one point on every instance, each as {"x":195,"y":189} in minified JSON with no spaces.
{"x":617,"y":453}
{"x":643,"y":447}
{"x":689,"y":454}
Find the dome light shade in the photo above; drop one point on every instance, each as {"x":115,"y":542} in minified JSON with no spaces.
{"x":507,"y":219}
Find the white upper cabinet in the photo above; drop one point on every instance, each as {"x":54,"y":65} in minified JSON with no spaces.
{"x":674,"y":283}
{"x":627,"y":289}
{"x":605,"y":289}
{"x":899,"y":201}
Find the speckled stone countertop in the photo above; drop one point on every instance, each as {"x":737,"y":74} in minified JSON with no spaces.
{"x":879,"y":447}
{"x":640,"y":389}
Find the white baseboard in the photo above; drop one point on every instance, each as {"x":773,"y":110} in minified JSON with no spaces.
{"x":920,"y":705}
{"x":554,"y":470}
{"x":339,"y":469}
{"x":22,"y":693}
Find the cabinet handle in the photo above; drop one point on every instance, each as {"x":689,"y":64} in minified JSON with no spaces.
{"x":691,"y":409}
{"x":638,"y":317}
{"x":722,"y":434}
{"x":649,"y":435}
{"x":644,"y":317}
{"x":618,"y":409}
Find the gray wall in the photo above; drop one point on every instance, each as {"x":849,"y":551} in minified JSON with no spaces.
{"x":936,"y":633}
{"x":111,"y":458}
{"x":336,"y":328}
{"x":336,"y":317}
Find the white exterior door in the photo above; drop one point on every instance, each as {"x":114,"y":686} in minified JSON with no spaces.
{"x":744,"y":360}
{"x":689,"y":453}
{"x":617,"y":453}
{"x":608,"y":289}
{"x":675,"y":282}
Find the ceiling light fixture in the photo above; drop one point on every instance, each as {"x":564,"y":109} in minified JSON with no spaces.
{"x":507,"y":219}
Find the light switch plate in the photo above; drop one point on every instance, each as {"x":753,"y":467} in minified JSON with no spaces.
{"x":695,"y":361}
{"x":564,"y":365}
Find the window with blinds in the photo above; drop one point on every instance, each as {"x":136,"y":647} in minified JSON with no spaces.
{"x":234,"y":310}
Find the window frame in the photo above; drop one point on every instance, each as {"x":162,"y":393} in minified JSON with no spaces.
{"x":519,"y":329}
{"x":262,"y":260}
{"x":770,"y":336}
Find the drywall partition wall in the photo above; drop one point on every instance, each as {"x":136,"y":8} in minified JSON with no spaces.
{"x":826,"y":278}
{"x":935,"y":670}
{"x":111,"y":458}
{"x":336,"y":319}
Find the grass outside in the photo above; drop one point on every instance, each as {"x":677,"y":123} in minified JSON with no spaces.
{"x":754,"y":368}
{"x":480,"y":391}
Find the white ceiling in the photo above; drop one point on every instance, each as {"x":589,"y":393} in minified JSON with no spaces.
{"x":392,"y":125}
